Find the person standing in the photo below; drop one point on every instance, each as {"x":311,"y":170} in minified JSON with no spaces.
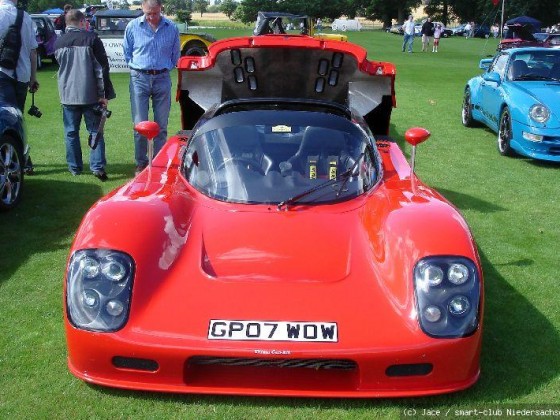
{"x":437,"y":35}
{"x":83,"y":86}
{"x":14,"y":83}
{"x":408,"y":34}
{"x":427,"y":33}
{"x":468,"y":29}
{"x":151,"y":49}
{"x":60,"y":21}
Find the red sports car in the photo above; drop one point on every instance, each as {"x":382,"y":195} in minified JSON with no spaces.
{"x":280,"y":244}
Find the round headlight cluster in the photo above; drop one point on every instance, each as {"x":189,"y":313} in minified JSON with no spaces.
{"x":90,"y":267}
{"x":458,"y":273}
{"x":432,"y":313}
{"x":114,"y":271}
{"x":539,"y":113}
{"x":432,"y":275}
{"x":459,"y":305}
{"x":448,"y":296}
{"x":99,"y":286}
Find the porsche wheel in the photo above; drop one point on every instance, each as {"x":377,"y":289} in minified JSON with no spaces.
{"x":11,"y":173}
{"x":504,"y":134}
{"x":466,"y":111}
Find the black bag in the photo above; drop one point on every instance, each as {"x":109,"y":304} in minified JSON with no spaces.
{"x":10,"y":45}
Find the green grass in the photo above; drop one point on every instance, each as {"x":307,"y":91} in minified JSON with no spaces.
{"x":511,"y":205}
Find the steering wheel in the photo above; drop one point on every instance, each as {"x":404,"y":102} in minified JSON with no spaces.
{"x":250,"y":164}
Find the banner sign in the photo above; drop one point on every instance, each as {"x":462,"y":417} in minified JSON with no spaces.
{"x":115,"y":54}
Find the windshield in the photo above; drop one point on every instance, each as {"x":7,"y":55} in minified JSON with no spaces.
{"x":535,"y":65}
{"x":272,"y":157}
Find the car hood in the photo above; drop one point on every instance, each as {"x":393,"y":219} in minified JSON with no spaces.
{"x":546,"y":93}
{"x":274,"y":251}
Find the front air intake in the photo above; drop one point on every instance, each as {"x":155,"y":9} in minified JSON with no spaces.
{"x":418,"y":369}
{"x":328,"y":375}
{"x":135,"y":363}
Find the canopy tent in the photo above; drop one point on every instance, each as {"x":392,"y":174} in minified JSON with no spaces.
{"x":56,"y":11}
{"x":530,"y":23}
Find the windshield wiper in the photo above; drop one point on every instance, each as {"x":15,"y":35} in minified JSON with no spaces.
{"x":345,"y":176}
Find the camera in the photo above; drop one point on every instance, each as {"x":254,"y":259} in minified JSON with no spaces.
{"x":101,"y":110}
{"x":33,"y":110}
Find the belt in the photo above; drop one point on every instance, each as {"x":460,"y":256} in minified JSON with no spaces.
{"x":152,"y":72}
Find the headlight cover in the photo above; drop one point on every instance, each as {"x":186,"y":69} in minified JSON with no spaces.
{"x":539,"y":113}
{"x":447,"y":308}
{"x":98,"y":289}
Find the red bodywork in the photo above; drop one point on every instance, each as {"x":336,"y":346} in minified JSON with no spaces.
{"x":198,"y":259}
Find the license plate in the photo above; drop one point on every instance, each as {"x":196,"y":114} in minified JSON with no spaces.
{"x":222,"y":329}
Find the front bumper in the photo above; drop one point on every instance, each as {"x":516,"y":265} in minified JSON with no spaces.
{"x":198,"y":366}
{"x":547,"y":149}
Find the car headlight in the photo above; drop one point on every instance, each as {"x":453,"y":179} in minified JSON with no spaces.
{"x":447,"y":296}
{"x":539,"y":113}
{"x":98,"y":289}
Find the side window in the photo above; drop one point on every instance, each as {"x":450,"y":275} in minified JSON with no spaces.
{"x":499,"y":65}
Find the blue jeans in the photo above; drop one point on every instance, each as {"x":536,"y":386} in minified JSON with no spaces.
{"x":13,"y":92}
{"x":408,"y":39}
{"x":142,"y":88}
{"x":72,"y":118}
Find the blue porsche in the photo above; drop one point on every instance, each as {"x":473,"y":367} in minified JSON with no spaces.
{"x":518,"y":96}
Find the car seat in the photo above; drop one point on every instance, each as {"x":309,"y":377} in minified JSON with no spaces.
{"x":555,"y":71}
{"x":518,"y":68}
{"x":322,"y":154}
{"x":244,"y":142}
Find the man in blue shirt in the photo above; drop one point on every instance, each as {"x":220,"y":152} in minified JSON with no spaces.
{"x":151,"y":49}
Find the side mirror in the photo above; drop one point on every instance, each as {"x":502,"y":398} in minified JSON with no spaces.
{"x":148,"y":129}
{"x":415,"y":136}
{"x":492,"y":77}
{"x":485,"y":63}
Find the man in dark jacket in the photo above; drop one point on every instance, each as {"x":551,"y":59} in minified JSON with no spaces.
{"x":427,"y":34}
{"x":83,"y":86}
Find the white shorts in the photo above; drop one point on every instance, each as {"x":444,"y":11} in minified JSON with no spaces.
{"x":426,"y":39}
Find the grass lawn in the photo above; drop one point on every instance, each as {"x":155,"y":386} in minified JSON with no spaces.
{"x":511,"y":205}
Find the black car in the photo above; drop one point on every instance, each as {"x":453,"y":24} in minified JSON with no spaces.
{"x":46,"y":36}
{"x":13,"y":154}
{"x":113,"y":21}
{"x":481,"y":31}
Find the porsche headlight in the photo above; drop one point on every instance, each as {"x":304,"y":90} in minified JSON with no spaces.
{"x":539,"y":113}
{"x":447,"y":296}
{"x":98,"y":289}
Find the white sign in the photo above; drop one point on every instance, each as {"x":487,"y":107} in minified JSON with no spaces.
{"x":114,"y":49}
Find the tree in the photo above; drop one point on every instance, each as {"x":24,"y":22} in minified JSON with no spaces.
{"x":200,"y":6}
{"x":172,"y":6}
{"x":485,"y":12}
{"x":386,"y":11}
{"x":184,"y":16}
{"x":228,"y":7}
{"x":38,"y":6}
{"x":247,"y":10}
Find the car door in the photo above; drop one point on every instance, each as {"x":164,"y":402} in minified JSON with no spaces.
{"x":491,"y":92}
